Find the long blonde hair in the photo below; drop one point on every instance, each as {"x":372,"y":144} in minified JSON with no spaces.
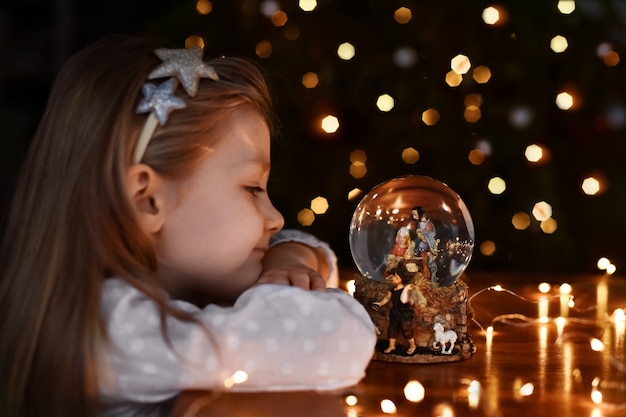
{"x":72,"y":224}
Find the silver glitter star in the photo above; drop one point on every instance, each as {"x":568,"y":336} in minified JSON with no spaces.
{"x":185,"y":64}
{"x":160,"y":100}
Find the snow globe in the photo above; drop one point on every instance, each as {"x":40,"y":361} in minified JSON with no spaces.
{"x":412,"y":238}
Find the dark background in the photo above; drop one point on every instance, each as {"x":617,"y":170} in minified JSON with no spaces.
{"x":37,"y":36}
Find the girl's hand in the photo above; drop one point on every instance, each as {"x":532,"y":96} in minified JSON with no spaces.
{"x":295,"y":264}
{"x":295,"y":275}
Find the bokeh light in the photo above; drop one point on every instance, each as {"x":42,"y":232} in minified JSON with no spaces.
{"x":385,"y":102}
{"x":520,"y":221}
{"x":306,"y":217}
{"x":204,"y":7}
{"x":542,"y":211}
{"x":496,"y":185}
{"x":487,"y":248}
{"x":481,"y":74}
{"x":453,"y":79}
{"x":533,"y":153}
{"x":414,"y":391}
{"x":460,"y":64}
{"x":310,"y":80}
{"x":564,"y":100}
{"x":491,"y":15}
{"x":566,"y":6}
{"x":410,"y":155}
{"x":319,"y":205}
{"x":558,"y":44}
{"x":346,"y":51}
{"x":307,"y":5}
{"x":403,"y":15}
{"x":330,"y":124}
{"x":476,"y":157}
{"x":590,"y":186}
{"x":430,"y":117}
{"x":263,"y":49}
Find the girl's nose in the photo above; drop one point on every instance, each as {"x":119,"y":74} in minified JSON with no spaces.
{"x":274,"y":221}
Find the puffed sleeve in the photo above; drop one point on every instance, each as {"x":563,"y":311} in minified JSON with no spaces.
{"x":294,"y":235}
{"x":281,"y":337}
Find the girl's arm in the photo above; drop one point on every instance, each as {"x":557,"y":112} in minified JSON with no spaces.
{"x":301,"y":260}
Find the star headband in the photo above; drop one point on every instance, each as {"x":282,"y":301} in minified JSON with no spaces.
{"x":184,"y":66}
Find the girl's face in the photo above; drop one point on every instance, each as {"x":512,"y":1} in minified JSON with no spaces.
{"x":219,"y":220}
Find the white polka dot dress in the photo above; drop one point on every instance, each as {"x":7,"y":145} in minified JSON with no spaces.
{"x":279,"y":337}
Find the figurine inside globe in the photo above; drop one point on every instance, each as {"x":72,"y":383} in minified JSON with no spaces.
{"x":412,"y":218}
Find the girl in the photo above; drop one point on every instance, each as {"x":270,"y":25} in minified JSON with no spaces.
{"x":139,"y":238}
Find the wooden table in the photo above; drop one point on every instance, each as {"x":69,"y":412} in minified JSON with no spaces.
{"x":524,"y":367}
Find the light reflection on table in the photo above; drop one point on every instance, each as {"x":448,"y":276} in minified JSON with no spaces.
{"x":526,"y":363}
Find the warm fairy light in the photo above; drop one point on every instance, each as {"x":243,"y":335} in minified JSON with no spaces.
{"x":544,"y":287}
{"x":497,"y":288}
{"x":460,"y":64}
{"x":204,"y":7}
{"x":543,"y":306}
{"x":491,"y":15}
{"x":358,"y":155}
{"x":307,"y":5}
{"x":611,"y":59}
{"x":292,"y":32}
{"x":346,"y":51}
{"x":520,"y":221}
{"x":306,"y":217}
{"x":611,"y":269}
{"x":487,"y":248}
{"x":453,"y":79}
{"x":527,"y":389}
{"x":548,"y":226}
{"x":590,"y":186}
{"x":603,"y":263}
{"x":354,"y":193}
{"x":310,"y":80}
{"x":319,"y":205}
{"x":481,"y":74}
{"x":414,"y":391}
{"x":566,"y":6}
{"x":560,"y":325}
{"x":533,"y":153}
{"x":385,"y":102}
{"x":430,"y":117}
{"x":564,"y":100}
{"x":473,"y":394}
{"x":351,"y":287}
{"x":279,"y":18}
{"x":496,"y":185}
{"x":542,"y":211}
{"x":596,"y":344}
{"x":473,"y":99}
{"x":194,"y":40}
{"x":352,"y":400}
{"x":403,"y":15}
{"x":238,"y":377}
{"x":358,"y":170}
{"x":388,"y":407}
{"x":443,"y":410}
{"x":596,"y":396}
{"x":410,"y":155}
{"x":263,"y":49}
{"x":472,"y":114}
{"x":558,"y":44}
{"x":476,"y":157}
{"x":330,"y":124}
{"x":565,"y":288}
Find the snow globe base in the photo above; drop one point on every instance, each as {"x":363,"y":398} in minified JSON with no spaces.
{"x":438,"y":328}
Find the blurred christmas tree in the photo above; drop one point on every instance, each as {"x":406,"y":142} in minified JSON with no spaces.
{"x":386,"y":70}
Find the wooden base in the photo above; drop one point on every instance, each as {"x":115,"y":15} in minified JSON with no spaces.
{"x":445,"y":305}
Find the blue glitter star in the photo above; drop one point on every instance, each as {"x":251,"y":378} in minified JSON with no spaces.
{"x":185,"y":64}
{"x":160,"y":100}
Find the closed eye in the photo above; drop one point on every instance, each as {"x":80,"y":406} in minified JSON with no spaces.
{"x":255,"y":190}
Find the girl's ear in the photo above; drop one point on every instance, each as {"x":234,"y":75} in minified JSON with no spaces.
{"x":144,"y":186}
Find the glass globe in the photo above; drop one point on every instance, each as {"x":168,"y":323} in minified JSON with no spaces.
{"x":412,"y":217}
